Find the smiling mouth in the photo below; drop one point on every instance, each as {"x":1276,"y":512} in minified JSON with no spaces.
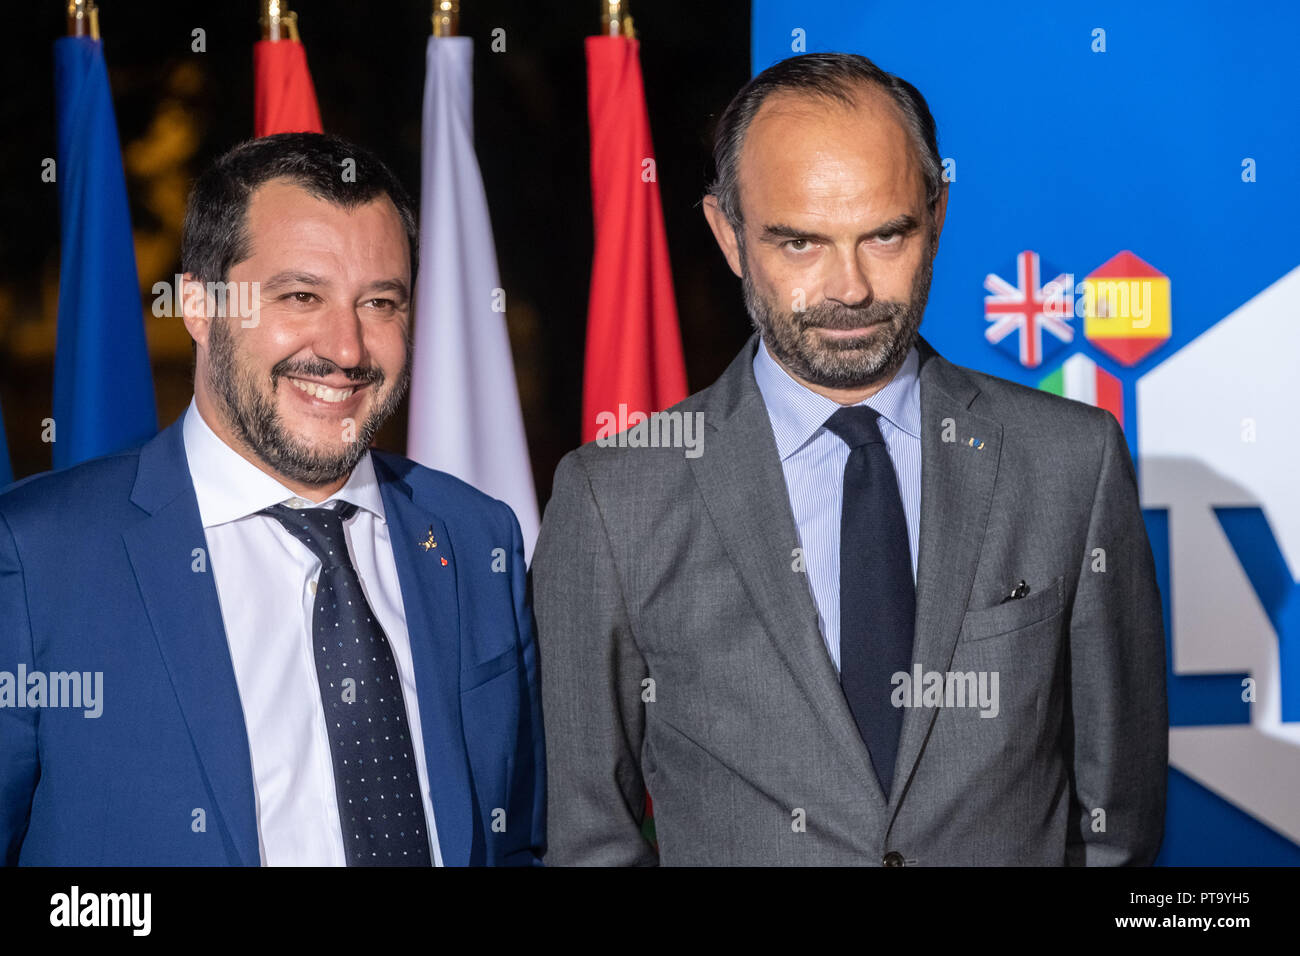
{"x":324,"y":392}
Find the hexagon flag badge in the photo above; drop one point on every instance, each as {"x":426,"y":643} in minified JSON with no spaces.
{"x":1028,"y":321}
{"x":1083,"y":380}
{"x":1126,"y":308}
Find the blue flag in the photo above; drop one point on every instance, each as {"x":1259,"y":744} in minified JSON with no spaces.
{"x":103,"y":385}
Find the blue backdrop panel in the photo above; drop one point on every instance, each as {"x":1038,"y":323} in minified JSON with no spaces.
{"x":1076,"y":131}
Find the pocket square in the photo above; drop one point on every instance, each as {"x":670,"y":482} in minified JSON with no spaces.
{"x":1019,"y":591}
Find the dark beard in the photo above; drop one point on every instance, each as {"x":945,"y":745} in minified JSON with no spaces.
{"x":251,"y":414}
{"x":858,"y":362}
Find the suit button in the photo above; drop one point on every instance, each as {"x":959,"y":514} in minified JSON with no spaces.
{"x":893,"y":858}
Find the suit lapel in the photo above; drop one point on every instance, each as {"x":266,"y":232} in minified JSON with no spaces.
{"x":739,"y":475}
{"x":744,"y":489}
{"x":429,"y":599}
{"x":956,"y":494}
{"x":185,"y":613}
{"x":180,"y":597}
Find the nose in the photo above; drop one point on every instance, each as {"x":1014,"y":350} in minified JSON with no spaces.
{"x":848,"y":283}
{"x":340,"y":338}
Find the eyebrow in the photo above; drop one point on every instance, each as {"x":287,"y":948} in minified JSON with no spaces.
{"x":777,"y":230}
{"x":396,"y":286}
{"x":291,"y":278}
{"x":281,"y":279}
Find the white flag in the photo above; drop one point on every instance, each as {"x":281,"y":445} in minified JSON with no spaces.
{"x":465,"y":416}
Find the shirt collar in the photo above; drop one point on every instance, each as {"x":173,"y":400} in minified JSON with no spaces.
{"x":797,"y":412}
{"x":229,"y":486}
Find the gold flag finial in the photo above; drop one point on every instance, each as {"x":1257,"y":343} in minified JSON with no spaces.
{"x":278,"y":21}
{"x":615,"y":20}
{"x":446,"y":18}
{"x":83,"y":19}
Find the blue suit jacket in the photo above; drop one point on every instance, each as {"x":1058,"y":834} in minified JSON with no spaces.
{"x":98,"y":573}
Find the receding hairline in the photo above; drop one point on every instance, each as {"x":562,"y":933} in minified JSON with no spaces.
{"x":813,"y":102}
{"x":852,"y":94}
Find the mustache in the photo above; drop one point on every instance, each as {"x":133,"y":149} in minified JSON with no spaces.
{"x":828,"y":315}
{"x":367,"y":375}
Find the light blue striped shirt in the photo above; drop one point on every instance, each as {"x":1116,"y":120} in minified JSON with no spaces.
{"x":813,"y":461}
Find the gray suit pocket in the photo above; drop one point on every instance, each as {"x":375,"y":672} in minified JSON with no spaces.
{"x":1042,"y":603}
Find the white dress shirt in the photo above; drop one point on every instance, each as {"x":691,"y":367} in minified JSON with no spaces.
{"x":813,"y":460}
{"x":266,"y":583}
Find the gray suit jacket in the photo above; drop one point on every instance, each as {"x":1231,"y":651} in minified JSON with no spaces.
{"x":680,"y":651}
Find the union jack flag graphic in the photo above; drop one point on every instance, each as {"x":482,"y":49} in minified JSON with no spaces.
{"x":1030,"y":309}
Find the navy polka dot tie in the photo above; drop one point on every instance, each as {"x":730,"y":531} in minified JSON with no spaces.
{"x":375,"y":776}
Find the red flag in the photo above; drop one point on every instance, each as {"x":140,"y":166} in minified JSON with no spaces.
{"x":634,"y":346}
{"x":284,"y":100}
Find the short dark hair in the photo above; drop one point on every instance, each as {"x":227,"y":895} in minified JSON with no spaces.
{"x":215,"y":235}
{"x":835,"y":76}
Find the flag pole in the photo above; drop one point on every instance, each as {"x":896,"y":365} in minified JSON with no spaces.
{"x":615,"y":19}
{"x":278,"y":21}
{"x":446,"y":18}
{"x":83,"y":19}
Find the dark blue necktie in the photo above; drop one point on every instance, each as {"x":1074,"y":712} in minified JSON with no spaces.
{"x":877,"y":594}
{"x":376,"y":780}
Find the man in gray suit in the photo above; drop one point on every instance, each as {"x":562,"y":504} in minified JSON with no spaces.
{"x":887,"y":610}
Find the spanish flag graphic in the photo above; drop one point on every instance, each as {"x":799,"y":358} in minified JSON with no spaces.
{"x":1126,"y":308}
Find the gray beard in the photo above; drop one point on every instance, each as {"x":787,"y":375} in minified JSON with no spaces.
{"x":858,"y":362}
{"x":251,"y":413}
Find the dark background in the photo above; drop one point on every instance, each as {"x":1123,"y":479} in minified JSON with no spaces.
{"x":177,"y":110}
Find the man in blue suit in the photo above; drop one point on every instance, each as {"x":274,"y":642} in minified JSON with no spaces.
{"x":254,"y":640}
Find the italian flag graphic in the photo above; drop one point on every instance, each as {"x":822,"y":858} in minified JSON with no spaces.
{"x":1079,"y":378}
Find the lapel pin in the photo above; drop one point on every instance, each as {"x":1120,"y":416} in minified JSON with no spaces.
{"x":429,"y":544}
{"x":976,"y":443}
